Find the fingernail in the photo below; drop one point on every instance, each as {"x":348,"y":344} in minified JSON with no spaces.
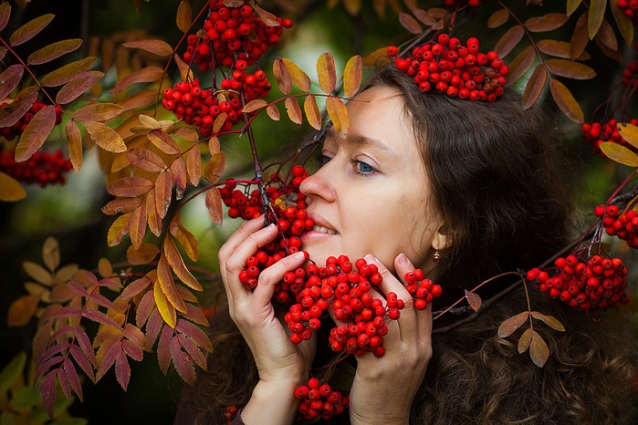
{"x":403,"y":259}
{"x":370,"y":259}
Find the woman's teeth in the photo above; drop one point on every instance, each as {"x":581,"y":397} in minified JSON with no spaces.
{"x":322,"y":229}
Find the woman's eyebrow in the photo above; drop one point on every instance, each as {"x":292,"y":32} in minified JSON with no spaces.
{"x":356,"y":139}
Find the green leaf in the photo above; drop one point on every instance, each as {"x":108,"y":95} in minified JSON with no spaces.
{"x":25,"y":399}
{"x":12,"y":371}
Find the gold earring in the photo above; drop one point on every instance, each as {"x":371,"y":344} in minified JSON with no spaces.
{"x":437,"y":257}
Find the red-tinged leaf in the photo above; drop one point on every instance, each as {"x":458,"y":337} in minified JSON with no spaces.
{"x":178,"y":174}
{"x":36,"y":133}
{"x":613,"y":54}
{"x":156,"y":47}
{"x":424,"y":17}
{"x":409,"y":23}
{"x":538,"y":350}
{"x":121,"y":205}
{"x":77,"y":86}
{"x":268,"y":18}
{"x":176,"y":262}
{"x":293,"y":110}
{"x":282,"y":76}
{"x":194,"y":165}
{"x":10,"y":189}
{"x":327,"y":73}
{"x":5,"y":14}
{"x":10,"y":114}
{"x":579,"y":38}
{"x":547,"y":22}
{"x":141,"y":99}
{"x":163,"y":193}
{"x":312,"y":112}
{"x":146,"y":160}
{"x":47,"y":391}
{"x":338,"y":115}
{"x":606,"y":36}
{"x":273,"y":112}
{"x":474,"y":300}
{"x":101,"y":300}
{"x":550,"y":321}
{"x":185,"y":71}
{"x":112,"y":350}
{"x":524,"y":340}
{"x":137,"y":226}
{"x":510,"y":325}
{"x":105,"y":137}
{"x":629,"y":132}
{"x":153,"y":328}
{"x":163,"y":306}
{"x":570,"y":69}
{"x":623,"y":23}
{"x":122,"y":370}
{"x":195,"y":333}
{"x":150,"y":74}
{"x":187,"y":133}
{"x":298,"y":76}
{"x":22,"y":310}
{"x":619,"y":153}
{"x":214,"y":206}
{"x":192,"y":350}
{"x":132,"y":350}
{"x":181,"y":362}
{"x":82,"y":361}
{"x":215,"y":167}
{"x":163,"y":348}
{"x":560,"y":49}
{"x":498,"y":18}
{"x":352,"y":76}
{"x":78,"y":289}
{"x":596,"y":17}
{"x":163,"y":142}
{"x":565,"y":101}
{"x":10,"y":78}
{"x":520,"y":64}
{"x":99,"y":317}
{"x":144,"y":309}
{"x":184,"y":18}
{"x":169,"y":289}
{"x":67,"y":72}
{"x":509,"y":40}
{"x":97,"y":112}
{"x":29,"y":30}
{"x":572,"y":5}
{"x":254,"y":105}
{"x":53,"y":51}
{"x":64,"y":384}
{"x":42,"y":336}
{"x":534,"y":86}
{"x":195,"y":314}
{"x":153,"y":219}
{"x":65,"y":312}
{"x":44,"y":366}
{"x":74,"y":143}
{"x":184,"y":237}
{"x":85,"y":345}
{"x":186,"y":294}
{"x":136,"y":287}
{"x":129,"y":186}
{"x":72,"y":377}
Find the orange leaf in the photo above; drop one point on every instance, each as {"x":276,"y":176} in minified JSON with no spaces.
{"x":293,"y":110}
{"x":97,"y":112}
{"x":534,"y":86}
{"x":524,"y":340}
{"x":623,"y":23}
{"x":178,"y":173}
{"x":36,"y":133}
{"x":22,"y":310}
{"x":142,"y":255}
{"x":137,"y":226}
{"x":298,"y":76}
{"x":282,"y":76}
{"x":10,"y":114}
{"x":510,"y":325}
{"x":214,"y":206}
{"x":606,"y":36}
{"x":154,"y":221}
{"x":129,"y":186}
{"x":219,"y":122}
{"x":509,"y":40}
{"x":138,"y":100}
{"x":327,"y":73}
{"x":166,"y":310}
{"x":379,"y":58}
{"x":146,"y":160}
{"x":165,"y":278}
{"x":184,"y":18}
{"x":498,"y":18}
{"x":215,"y":167}
{"x":156,"y":47}
{"x":565,"y":101}
{"x":409,"y":23}
{"x":194,"y":165}
{"x":184,"y":237}
{"x":10,"y":189}
{"x":121,"y":205}
{"x":77,"y":86}
{"x":187,"y":133}
{"x":254,"y":105}
{"x":572,"y":5}
{"x":53,"y":51}
{"x":520,"y":64}
{"x":629,"y":132}
{"x":424,"y":17}
{"x":105,"y":137}
{"x":74,"y":142}
{"x":579,"y":38}
{"x":312,"y":112}
{"x":547,"y":22}
{"x":118,"y":229}
{"x":338,"y":114}
{"x":538,"y":350}
{"x":176,"y":262}
{"x":352,"y":76}
{"x":596,"y":16}
{"x":353,"y":7}
{"x":619,"y":153}
{"x":268,"y":18}
{"x":163,"y":193}
{"x":213,"y":146}
{"x":150,"y":74}
{"x":570,"y":69}
{"x":67,"y":72}
{"x":39,"y":273}
{"x":163,"y":142}
{"x":560,"y":49}
{"x":550,"y":321}
{"x":5,"y":14}
{"x":29,"y":30}
{"x":473,"y":299}
{"x":273,"y":112}
{"x":185,"y":71}
{"x":613,"y":54}
{"x":10,"y":78}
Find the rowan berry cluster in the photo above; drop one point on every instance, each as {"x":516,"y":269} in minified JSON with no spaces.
{"x":422,"y":289}
{"x":18,"y":128}
{"x":229,"y":414}
{"x":319,"y":399}
{"x":42,"y":168}
{"x":623,"y":225}
{"x":594,"y":285}
{"x":448,"y":66}
{"x":596,"y":133}
{"x":230,"y":34}
{"x":630,"y":74}
{"x":630,"y":9}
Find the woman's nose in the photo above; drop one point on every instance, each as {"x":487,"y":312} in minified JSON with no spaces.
{"x":318,"y":185}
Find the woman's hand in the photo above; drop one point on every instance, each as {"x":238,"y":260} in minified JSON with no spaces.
{"x":383,"y":388}
{"x":282,"y":365}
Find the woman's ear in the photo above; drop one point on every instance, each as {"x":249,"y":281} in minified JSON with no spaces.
{"x":441,"y":239}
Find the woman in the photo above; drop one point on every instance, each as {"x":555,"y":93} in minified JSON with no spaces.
{"x":420,"y":177}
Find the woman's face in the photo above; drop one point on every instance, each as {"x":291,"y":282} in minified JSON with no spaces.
{"x":372,"y":194}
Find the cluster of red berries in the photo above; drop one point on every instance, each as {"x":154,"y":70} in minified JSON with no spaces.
{"x":18,"y":128}
{"x":624,"y":226}
{"x":596,"y":133}
{"x":594,"y":285}
{"x":630,"y":9}
{"x":229,"y":414}
{"x":448,"y":66}
{"x":422,"y":289}
{"x":230,"y":34}
{"x":42,"y":168}
{"x":319,"y":399}
{"x":472,"y":3}
{"x":630,"y":74}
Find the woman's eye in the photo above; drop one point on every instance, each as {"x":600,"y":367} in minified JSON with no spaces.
{"x":324,"y":159}
{"x":364,"y":168}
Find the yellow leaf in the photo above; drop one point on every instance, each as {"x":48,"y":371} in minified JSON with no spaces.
{"x":298,"y":76}
{"x":51,"y":253}
{"x":624,"y":24}
{"x":572,"y":5}
{"x":186,"y":238}
{"x":273,"y":112}
{"x":97,"y":112}
{"x":137,"y":226}
{"x":118,"y":229}
{"x":194,"y":165}
{"x":39,"y":273}
{"x":176,"y":262}
{"x":163,"y":193}
{"x":67,"y":72}
{"x":293,"y":110}
{"x":570,"y":69}
{"x":105,"y":137}
{"x":105,"y":268}
{"x":326,"y":73}
{"x":36,"y":133}
{"x":143,"y":255}
{"x":566,"y":102}
{"x":219,"y":122}
{"x":21,"y":310}
{"x":524,"y":340}
{"x":521,"y":64}
{"x":550,"y":321}
{"x":214,"y":146}
{"x":184,"y":16}
{"x":596,"y":16}
{"x":377,"y":58}
{"x":154,"y":220}
{"x":312,"y":112}
{"x":338,"y":115}
{"x":629,"y":132}
{"x":353,"y":7}
{"x":619,"y":153}
{"x":10,"y":189}
{"x":166,"y":310}
{"x":215,"y":167}
{"x":165,"y":278}
{"x":282,"y":76}
{"x":74,"y":142}
{"x":163,"y":141}
{"x":254,"y":105}
{"x":352,"y":76}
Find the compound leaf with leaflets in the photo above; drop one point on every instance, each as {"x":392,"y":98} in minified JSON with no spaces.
{"x":510,"y":325}
{"x":293,"y":110}
{"x":312,"y":112}
{"x":538,"y":349}
{"x":565,"y":101}
{"x":77,"y":86}
{"x":297,"y":75}
{"x":214,"y":204}
{"x":282,"y":76}
{"x":352,"y":76}
{"x":29,"y":30}
{"x":570,"y":69}
{"x":10,"y":77}
{"x":184,"y":17}
{"x":338,"y":114}
{"x":53,"y":51}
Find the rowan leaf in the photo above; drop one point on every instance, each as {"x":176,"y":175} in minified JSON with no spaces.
{"x":629,"y":132}
{"x":82,"y":361}
{"x":409,"y":23}
{"x":74,"y":144}
{"x":498,"y":18}
{"x":138,"y":100}
{"x":145,"y":308}
{"x":97,"y":112}
{"x":118,"y":229}
{"x":184,"y":18}
{"x":619,"y":153}
{"x":29,"y":30}
{"x":150,"y":74}
{"x":474,"y":300}
{"x":267,"y":17}
{"x":524,"y":341}
{"x":195,"y":314}
{"x":163,"y":349}
{"x":146,"y":160}
{"x":214,"y":205}
{"x":623,"y":23}
{"x":219,"y":122}
{"x":47,"y":391}
{"x":53,"y":51}
{"x":153,"y":219}
{"x":156,"y":47}
{"x":5,"y":14}
{"x":550,"y":321}
{"x":121,"y":205}
{"x":194,"y":165}
{"x":509,"y":40}
{"x":424,"y":17}
{"x":570,"y":69}
{"x":67,"y":72}
{"x":105,"y":137}
{"x":509,"y":326}
{"x":72,"y":377}
{"x":183,"y":365}
{"x":596,"y":17}
{"x":353,"y":7}
{"x":565,"y":101}
{"x":560,"y":49}
{"x":22,"y":310}
{"x":579,"y":37}
{"x":572,"y":5}
{"x":352,"y":76}
{"x":273,"y":112}
{"x":520,"y":64}
{"x":10,"y":189}
{"x":178,"y":174}
{"x":10,"y":78}
{"x":36,"y":133}
{"x":167,"y":283}
{"x":298,"y":76}
{"x":122,"y":369}
{"x":176,"y":262}
{"x":163,"y":141}
{"x":137,"y":226}
{"x":338,"y":115}
{"x":215,"y":167}
{"x":129,"y":186}
{"x":293,"y":110}
{"x":137,"y":286}
{"x":606,"y":36}
{"x":165,"y":309}
{"x":282,"y":76}
{"x":254,"y":105}
{"x":184,"y":237}
{"x":39,"y":273}
{"x":613,"y":54}
{"x":534,"y":86}
{"x":195,"y":333}
{"x":192,"y":350}
{"x":77,"y":86}
{"x":163,"y":193}
{"x":538,"y":350}
{"x":312,"y":112}
{"x":11,"y":113}
{"x":547,"y":22}
{"x":327,"y":73}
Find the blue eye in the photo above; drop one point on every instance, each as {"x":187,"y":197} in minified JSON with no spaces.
{"x":324,"y":159}
{"x":364,"y":168}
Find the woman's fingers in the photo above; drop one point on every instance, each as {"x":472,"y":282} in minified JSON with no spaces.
{"x":273,"y":274}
